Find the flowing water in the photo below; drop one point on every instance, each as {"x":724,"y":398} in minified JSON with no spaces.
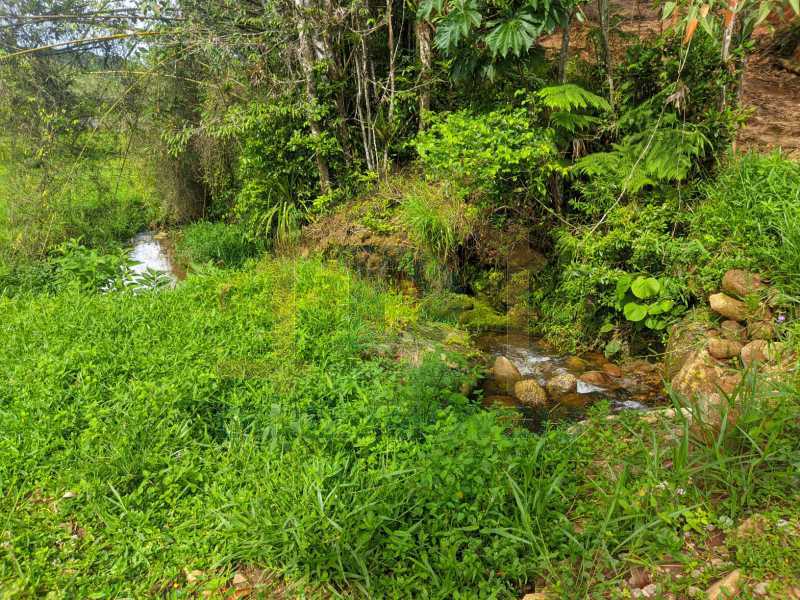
{"x":152,"y":264}
{"x":626,"y":389}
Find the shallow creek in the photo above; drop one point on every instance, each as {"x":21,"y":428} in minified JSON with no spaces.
{"x":151,"y":258}
{"x":635,"y":387}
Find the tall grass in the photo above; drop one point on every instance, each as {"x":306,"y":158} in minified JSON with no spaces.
{"x":749,"y":218}
{"x":437,"y":218}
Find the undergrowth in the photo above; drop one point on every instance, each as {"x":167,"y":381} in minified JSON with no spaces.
{"x":250,"y":418}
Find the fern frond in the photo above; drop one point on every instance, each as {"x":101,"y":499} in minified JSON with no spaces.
{"x":569,"y":96}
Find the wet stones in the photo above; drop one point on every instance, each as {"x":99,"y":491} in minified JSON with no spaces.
{"x":562,"y":384}
{"x":612,"y":370}
{"x":530,"y":393}
{"x":597,"y":378}
{"x":504,"y":375}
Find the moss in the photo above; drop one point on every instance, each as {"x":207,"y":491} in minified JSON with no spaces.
{"x":483,"y":317}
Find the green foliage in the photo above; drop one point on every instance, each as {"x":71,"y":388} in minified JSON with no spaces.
{"x":479,"y":35}
{"x":666,"y":151}
{"x":219,"y":424}
{"x":497,"y":154}
{"x":437,"y":219}
{"x":102,"y":201}
{"x":219,"y":243}
{"x":89,"y":269}
{"x":685,"y":80}
{"x":646,"y":301}
{"x":748,"y":218}
{"x":277,"y":173}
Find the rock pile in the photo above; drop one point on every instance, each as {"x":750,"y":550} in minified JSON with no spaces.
{"x":705,"y":356}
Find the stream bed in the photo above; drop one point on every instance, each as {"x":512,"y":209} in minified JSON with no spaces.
{"x":635,"y":386}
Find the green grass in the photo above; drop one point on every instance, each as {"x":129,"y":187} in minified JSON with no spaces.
{"x":219,"y":243}
{"x":103,"y":201}
{"x":238,"y":421}
{"x":749,"y":218}
{"x":252,"y":419}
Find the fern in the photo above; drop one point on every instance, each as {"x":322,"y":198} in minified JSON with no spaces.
{"x":647,"y":157}
{"x":564,"y":100}
{"x":569,"y":96}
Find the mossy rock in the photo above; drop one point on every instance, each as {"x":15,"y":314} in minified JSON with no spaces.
{"x":482,"y":317}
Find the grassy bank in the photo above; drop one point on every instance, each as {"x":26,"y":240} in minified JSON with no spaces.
{"x":261,"y":419}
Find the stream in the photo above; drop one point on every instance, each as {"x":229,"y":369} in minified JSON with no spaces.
{"x":632,"y":387}
{"x":152,"y":266}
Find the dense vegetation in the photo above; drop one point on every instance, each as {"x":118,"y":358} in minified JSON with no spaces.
{"x":354,"y":189}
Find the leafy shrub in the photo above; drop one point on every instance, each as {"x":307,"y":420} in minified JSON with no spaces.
{"x":277,"y":175}
{"x":220,"y":243}
{"x":89,"y":269}
{"x":495,"y":154}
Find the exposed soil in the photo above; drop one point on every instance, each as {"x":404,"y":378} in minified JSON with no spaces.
{"x":773,"y":94}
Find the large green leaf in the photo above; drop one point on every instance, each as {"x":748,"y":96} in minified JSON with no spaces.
{"x":645,"y":287}
{"x":460,"y":21}
{"x":635,"y":312}
{"x":516,"y":35}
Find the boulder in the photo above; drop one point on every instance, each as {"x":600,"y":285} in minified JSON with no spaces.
{"x":728,"y":383}
{"x":731,"y":330}
{"x":727,"y":587}
{"x":728,"y":307}
{"x":686,"y":336}
{"x":575,"y":363}
{"x":594,"y":378}
{"x":565,"y":383}
{"x":762,"y":351}
{"x":761,"y":330}
{"x":754,"y":352}
{"x":741,"y":283}
{"x":530,"y":393}
{"x":699,"y":381}
{"x":612,"y":370}
{"x":723,"y":349}
{"x":502,"y":377}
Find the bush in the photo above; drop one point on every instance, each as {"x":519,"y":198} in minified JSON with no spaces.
{"x":494,"y":154}
{"x":219,"y":243}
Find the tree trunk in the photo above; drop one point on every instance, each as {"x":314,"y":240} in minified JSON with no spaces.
{"x":391,"y":91}
{"x":605,"y":45}
{"x":424,"y":39}
{"x":727,"y":36}
{"x":307,"y":59}
{"x":727,"y":33}
{"x":563,"y":54}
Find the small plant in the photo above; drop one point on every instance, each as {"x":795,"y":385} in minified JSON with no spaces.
{"x":89,"y":269}
{"x":644,"y":300}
